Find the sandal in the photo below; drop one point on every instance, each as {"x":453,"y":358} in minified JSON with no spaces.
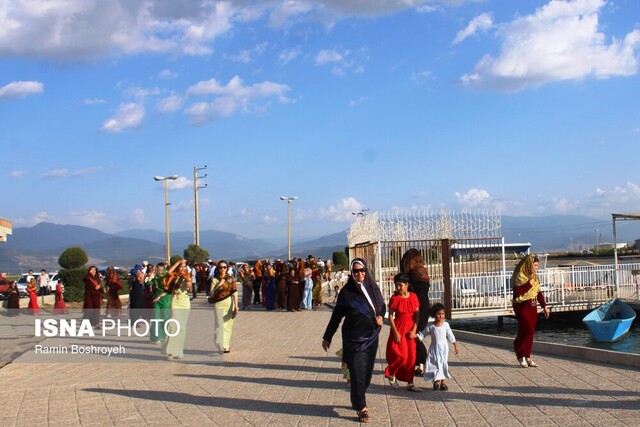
{"x":393,"y":383}
{"x":531,"y":363}
{"x":444,"y":387}
{"x":413,"y":387}
{"x":363,"y":415}
{"x":436,"y":385}
{"x":523,"y":363}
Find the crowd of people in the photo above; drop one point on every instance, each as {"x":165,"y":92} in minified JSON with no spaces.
{"x":162,"y":293}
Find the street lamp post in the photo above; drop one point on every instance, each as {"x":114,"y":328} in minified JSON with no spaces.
{"x":166,"y":208}
{"x":289,"y":200}
{"x":196,"y":187}
{"x":597,"y":242}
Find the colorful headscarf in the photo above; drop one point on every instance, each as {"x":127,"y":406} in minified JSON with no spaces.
{"x":522,"y":274}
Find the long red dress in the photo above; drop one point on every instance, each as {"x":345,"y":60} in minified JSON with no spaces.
{"x":401,"y":356}
{"x":33,"y":306}
{"x":59,"y":307}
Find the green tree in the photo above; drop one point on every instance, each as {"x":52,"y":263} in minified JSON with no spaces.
{"x":340,"y":261}
{"x":174,"y":259}
{"x":73,"y":257}
{"x":196,"y":254}
{"x":73,"y":260}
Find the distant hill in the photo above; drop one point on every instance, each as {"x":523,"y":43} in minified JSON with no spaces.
{"x":40,"y":246}
{"x":565,"y":232}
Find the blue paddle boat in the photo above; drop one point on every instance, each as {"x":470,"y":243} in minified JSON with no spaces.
{"x":610,"y":322}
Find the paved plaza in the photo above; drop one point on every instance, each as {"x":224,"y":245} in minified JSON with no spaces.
{"x":277,"y":374}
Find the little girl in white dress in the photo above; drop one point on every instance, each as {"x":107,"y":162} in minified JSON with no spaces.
{"x":436,"y":367}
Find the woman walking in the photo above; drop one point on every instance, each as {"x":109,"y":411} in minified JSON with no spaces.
{"x":32,"y":289}
{"x":246,"y":277}
{"x":224,"y":296}
{"x":113,"y":286}
{"x":59,"y":307}
{"x":412,"y":264}
{"x":178,"y":283}
{"x":13,"y":299}
{"x":360,"y":302}
{"x":92,"y":296}
{"x":526,"y":296}
{"x":161,"y":305}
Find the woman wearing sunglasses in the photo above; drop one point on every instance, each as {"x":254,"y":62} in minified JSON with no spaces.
{"x":361,"y":304}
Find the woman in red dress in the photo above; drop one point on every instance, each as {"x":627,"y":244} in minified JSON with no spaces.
{"x":92,"y":296}
{"x":113,"y":287}
{"x":59,"y":307}
{"x":404,"y":313}
{"x":526,"y":296}
{"x":32,"y":289}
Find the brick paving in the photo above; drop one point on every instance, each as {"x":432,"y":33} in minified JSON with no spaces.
{"x":277,"y":374}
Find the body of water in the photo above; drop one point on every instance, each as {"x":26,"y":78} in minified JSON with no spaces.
{"x":569,"y":331}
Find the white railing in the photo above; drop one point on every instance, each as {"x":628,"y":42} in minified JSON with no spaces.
{"x":561,"y":286}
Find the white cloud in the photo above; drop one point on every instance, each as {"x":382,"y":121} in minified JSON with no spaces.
{"x":269,"y":220}
{"x":343,"y":61}
{"x":71,"y":30}
{"x":93,"y":219}
{"x":248,"y":55}
{"x":137,"y":217}
{"x":56,"y":173}
{"x":289,"y":55}
{"x":183,"y":205}
{"x":421,"y":77}
{"x":15,"y":90}
{"x":94,"y":101}
{"x":355,"y":102}
{"x":85,"y":171}
{"x":17,"y":173}
{"x":232,"y":98}
{"x":180,"y":184}
{"x":473,"y":197}
{"x":128,"y":116}
{"x":170,"y":103}
{"x":167,"y":74}
{"x":342,"y":211}
{"x":560,"y":41}
{"x":480,"y":23}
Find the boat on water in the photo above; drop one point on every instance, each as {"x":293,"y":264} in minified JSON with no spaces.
{"x":610,"y":322}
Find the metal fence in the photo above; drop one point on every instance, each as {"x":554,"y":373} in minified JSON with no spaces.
{"x":480,"y":283}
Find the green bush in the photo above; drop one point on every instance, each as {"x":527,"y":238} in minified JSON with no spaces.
{"x":73,"y":257}
{"x":195,"y":254}
{"x":72,"y":278}
{"x":340,"y":261}
{"x":174,"y":259}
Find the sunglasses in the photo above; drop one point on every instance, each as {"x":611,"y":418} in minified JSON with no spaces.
{"x":222,"y":266}
{"x":359,"y":270}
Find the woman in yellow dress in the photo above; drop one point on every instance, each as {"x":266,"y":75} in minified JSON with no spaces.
{"x":224,"y":296}
{"x":178,"y":282}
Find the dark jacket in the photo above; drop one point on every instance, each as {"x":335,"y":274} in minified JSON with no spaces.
{"x":359,"y":330}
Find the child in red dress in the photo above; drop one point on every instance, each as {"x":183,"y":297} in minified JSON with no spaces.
{"x":401,"y":349}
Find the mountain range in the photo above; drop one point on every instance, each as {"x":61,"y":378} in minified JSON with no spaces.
{"x":40,"y":246}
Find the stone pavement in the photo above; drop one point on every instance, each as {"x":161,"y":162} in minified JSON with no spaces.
{"x":277,"y":374}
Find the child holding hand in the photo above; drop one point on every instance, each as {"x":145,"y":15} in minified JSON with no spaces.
{"x":436,"y":367}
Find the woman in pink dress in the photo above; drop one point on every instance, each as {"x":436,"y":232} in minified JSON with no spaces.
{"x":404,"y":313}
{"x":59,"y":307}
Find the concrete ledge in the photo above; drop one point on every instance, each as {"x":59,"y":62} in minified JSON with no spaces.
{"x":597,"y":355}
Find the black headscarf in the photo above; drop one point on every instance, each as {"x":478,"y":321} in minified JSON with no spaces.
{"x":354,"y":298}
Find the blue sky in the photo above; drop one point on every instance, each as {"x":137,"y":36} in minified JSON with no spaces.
{"x":529,"y":107}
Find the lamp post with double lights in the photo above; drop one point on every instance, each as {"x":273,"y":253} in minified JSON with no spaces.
{"x":166,"y":208}
{"x":289,"y":200}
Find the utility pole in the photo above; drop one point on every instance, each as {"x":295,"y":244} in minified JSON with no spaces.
{"x":196,"y":228}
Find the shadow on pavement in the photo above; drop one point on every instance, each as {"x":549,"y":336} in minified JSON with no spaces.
{"x":241,"y":404}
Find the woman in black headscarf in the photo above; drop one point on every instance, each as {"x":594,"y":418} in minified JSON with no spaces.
{"x":360,"y":302}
